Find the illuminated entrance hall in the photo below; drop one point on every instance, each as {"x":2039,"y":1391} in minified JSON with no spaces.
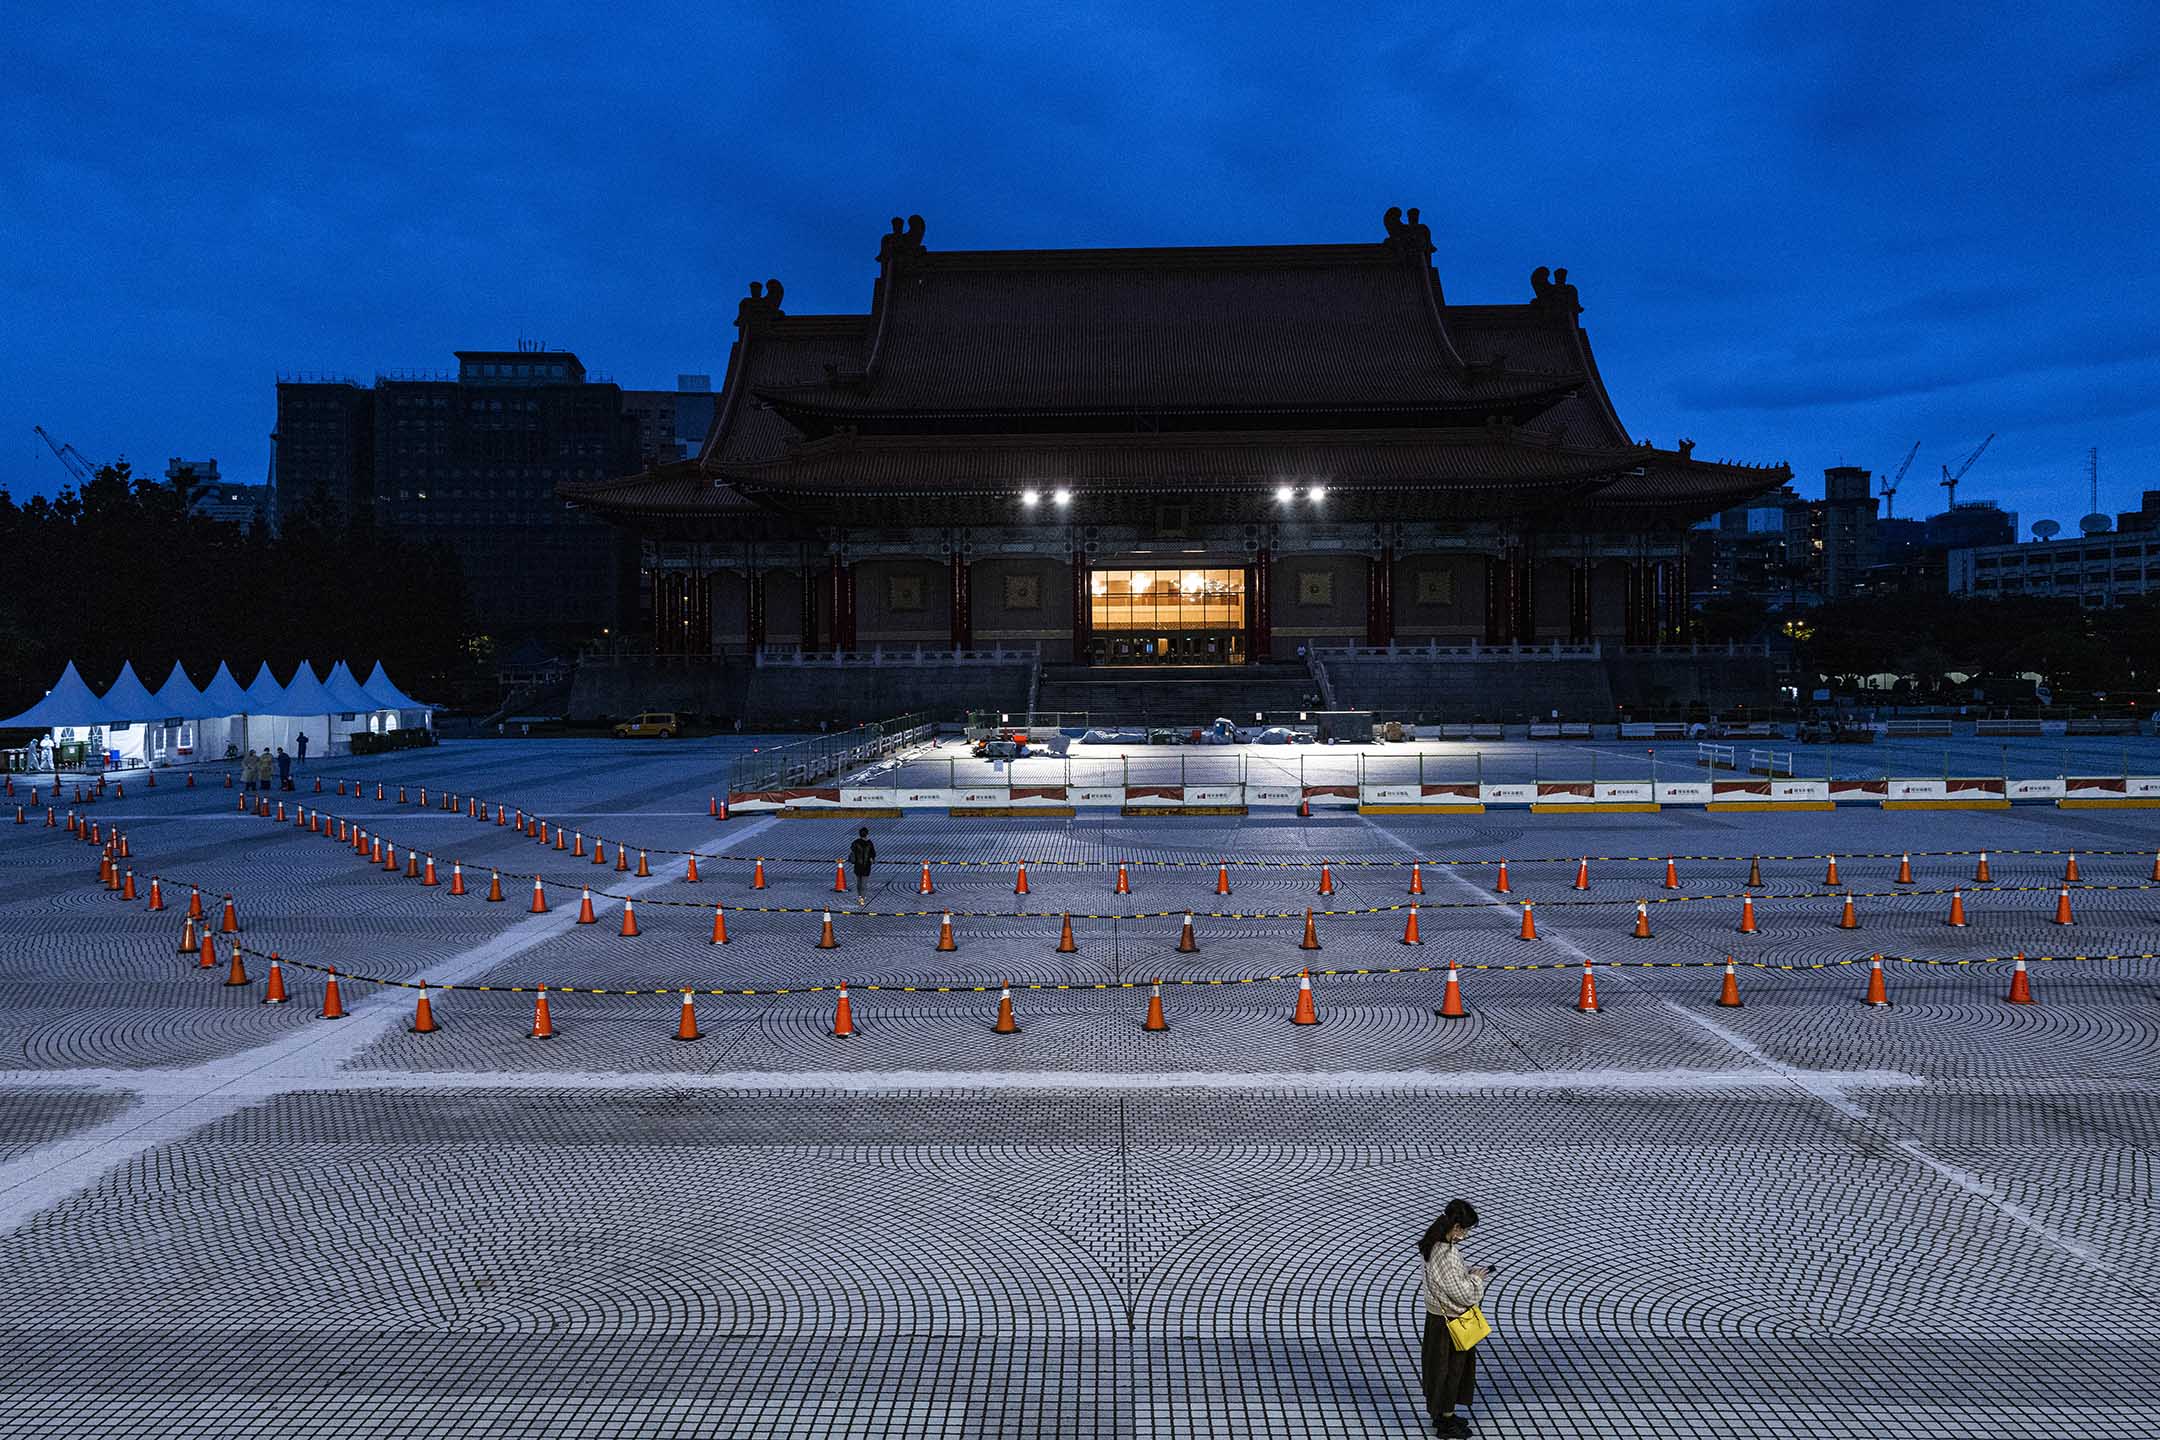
{"x":1179,"y":617}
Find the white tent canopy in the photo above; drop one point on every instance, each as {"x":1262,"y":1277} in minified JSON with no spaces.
{"x":127,"y":699}
{"x":386,"y":693}
{"x":70,"y":702}
{"x":178,"y":698}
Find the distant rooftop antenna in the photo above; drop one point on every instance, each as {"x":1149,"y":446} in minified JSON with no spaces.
{"x":2094,"y":522}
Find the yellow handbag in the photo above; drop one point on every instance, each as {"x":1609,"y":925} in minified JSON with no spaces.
{"x":1469,"y":1327}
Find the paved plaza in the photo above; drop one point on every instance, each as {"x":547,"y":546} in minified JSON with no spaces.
{"x":1802,"y":1216}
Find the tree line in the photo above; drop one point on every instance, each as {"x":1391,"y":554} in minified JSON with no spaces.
{"x":118,"y":570}
{"x":1926,"y":638}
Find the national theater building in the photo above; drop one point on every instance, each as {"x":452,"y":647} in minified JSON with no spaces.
{"x":1167,"y":456}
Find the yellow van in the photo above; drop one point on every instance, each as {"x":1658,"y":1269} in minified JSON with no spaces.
{"x":654,"y":724}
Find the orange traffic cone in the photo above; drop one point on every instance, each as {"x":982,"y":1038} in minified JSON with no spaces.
{"x":1847,"y":919}
{"x":2155,"y":866}
{"x":1830,"y":872}
{"x":629,"y":918}
{"x":1983,"y":876}
{"x":1904,"y":868}
{"x":1957,"y":909}
{"x":333,"y":1006}
{"x":1417,"y":878}
{"x":2070,"y":870}
{"x":1642,"y":920}
{"x":495,"y":892}
{"x":1222,"y":880}
{"x":577,"y":845}
{"x":1124,"y":886}
{"x":194,"y":902}
{"x":187,"y":935}
{"x":2020,"y":984}
{"x":1747,"y":915}
{"x":926,"y":888}
{"x":230,"y":924}
{"x":1020,"y":885}
{"x":622,"y":860}
{"x":644,"y":870}
{"x":1754,"y":872}
{"x":690,"y":875}
{"x":1327,"y":882}
{"x":1304,"y":1014}
{"x":839,"y":877}
{"x":1582,"y":874}
{"x":423,"y":1022}
{"x":1410,"y":934}
{"x":1005,"y":1025}
{"x":1065,"y":945}
{"x":945,"y":940}
{"x":1876,"y":994}
{"x":457,"y":878}
{"x":157,"y":895}
{"x":719,"y":925}
{"x":1672,"y":874}
{"x":561,"y":844}
{"x":585,"y":914}
{"x":825,"y":936}
{"x":543,"y":1026}
{"x":712,"y":806}
{"x":1312,"y":935}
{"x":274,"y":988}
{"x":757,"y":876}
{"x":1451,"y":1006}
{"x":843,"y":1024}
{"x":686,"y":1022}
{"x":1186,"y":944}
{"x":1586,"y":998}
{"x":1529,"y":925}
{"x":427,"y":873}
{"x":127,"y":885}
{"x":236,"y":973}
{"x":412,"y":864}
{"x":599,"y":852}
{"x":207,"y":952}
{"x":1729,"y":993}
{"x":2062,"y":908}
{"x":1500,"y":885}
{"x":539,"y":900}
{"x":1154,"y":1020}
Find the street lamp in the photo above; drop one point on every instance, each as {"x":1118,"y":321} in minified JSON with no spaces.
{"x":1062,"y":497}
{"x":1030,"y":497}
{"x":1284,"y":494}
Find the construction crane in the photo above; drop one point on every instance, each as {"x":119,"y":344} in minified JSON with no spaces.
{"x":68,"y":455}
{"x":1950,"y":480}
{"x":1889,"y":486}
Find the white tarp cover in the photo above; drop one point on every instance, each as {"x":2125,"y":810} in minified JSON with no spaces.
{"x":178,"y":698}
{"x":69,"y":702}
{"x":127,"y":700}
{"x":387,"y":695}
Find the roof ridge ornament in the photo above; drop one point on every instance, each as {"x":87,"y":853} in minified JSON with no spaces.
{"x":763,"y":303}
{"x":906,"y":239}
{"x":1411,"y":235}
{"x":1550,"y":287}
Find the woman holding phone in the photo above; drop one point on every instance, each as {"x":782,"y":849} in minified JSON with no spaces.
{"x":1450,"y":1288}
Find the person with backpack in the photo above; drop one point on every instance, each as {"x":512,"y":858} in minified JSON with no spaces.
{"x":862,"y":855}
{"x":1453,"y":1294}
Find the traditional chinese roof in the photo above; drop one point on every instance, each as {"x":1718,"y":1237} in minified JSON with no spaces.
{"x":1214,"y":369}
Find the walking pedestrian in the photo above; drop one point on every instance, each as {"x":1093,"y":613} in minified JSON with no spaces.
{"x":301,"y":745}
{"x":1450,"y":1289}
{"x":862,"y":855}
{"x":284,"y":769}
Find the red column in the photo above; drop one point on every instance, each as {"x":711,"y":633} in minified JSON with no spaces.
{"x":1260,"y":606}
{"x":843,"y":604}
{"x":1380,"y":597}
{"x":963,"y":622}
{"x":809,"y":577}
{"x":1083,"y":609}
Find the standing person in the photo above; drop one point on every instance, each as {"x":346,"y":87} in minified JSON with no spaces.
{"x":248,"y":770}
{"x":284,"y":769}
{"x":1450,"y":1288}
{"x":861,"y":855}
{"x":301,"y":743}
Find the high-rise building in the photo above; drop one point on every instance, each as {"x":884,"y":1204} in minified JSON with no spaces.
{"x":325,"y":446}
{"x":671,"y":423}
{"x":215,"y":499}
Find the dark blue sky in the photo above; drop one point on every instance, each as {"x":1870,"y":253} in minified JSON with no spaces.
{"x":1811,"y":232}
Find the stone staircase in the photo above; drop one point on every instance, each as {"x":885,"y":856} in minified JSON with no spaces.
{"x":1181,"y":695}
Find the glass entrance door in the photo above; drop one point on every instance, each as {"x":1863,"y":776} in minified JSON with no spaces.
{"x":1168,"y":616}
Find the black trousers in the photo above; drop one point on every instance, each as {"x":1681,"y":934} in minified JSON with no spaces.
{"x":1450,"y":1375}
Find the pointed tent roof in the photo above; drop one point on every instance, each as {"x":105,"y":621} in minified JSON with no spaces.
{"x":264,"y":694}
{"x":128,"y":700}
{"x":178,"y":698}
{"x":304,"y":695}
{"x":223,"y":695}
{"x":386,"y":693}
{"x":347,"y":691}
{"x":69,"y":702}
